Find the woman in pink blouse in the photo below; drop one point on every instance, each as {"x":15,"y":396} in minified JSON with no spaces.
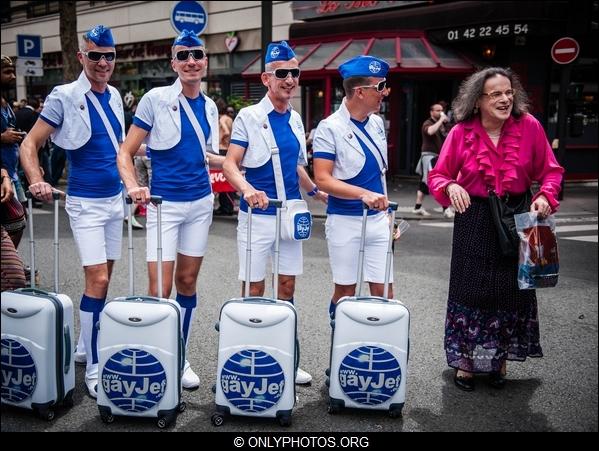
{"x":497,"y":145}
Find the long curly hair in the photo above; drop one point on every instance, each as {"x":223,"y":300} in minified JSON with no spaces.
{"x":471,"y":89}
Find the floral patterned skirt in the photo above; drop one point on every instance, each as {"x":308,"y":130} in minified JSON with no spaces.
{"x":489,"y":319}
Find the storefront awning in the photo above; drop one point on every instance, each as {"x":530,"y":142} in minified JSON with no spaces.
{"x":411,"y":52}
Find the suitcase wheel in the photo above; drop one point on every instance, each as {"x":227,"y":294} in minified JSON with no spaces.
{"x":107,"y":418}
{"x":181,"y":407}
{"x":334,"y":407}
{"x":395,"y":413}
{"x":162,"y":422}
{"x":285,"y":421}
{"x":217,"y":326}
{"x":47,"y":414}
{"x":217,"y":419}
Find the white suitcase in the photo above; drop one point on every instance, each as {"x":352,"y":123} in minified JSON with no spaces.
{"x":370,"y":346}
{"x":141,"y":352}
{"x":38,"y":370}
{"x":257,"y":351}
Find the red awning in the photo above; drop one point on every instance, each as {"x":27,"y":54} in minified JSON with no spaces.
{"x":405,"y":52}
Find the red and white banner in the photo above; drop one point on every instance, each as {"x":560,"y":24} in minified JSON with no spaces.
{"x":219,"y":182}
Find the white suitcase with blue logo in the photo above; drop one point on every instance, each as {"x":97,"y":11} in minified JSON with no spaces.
{"x":257,"y":351}
{"x":370,"y":346}
{"x":38,"y":370}
{"x":141,"y":352}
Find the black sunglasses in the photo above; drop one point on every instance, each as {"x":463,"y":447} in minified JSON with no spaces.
{"x":282,"y":74}
{"x":183,"y":55}
{"x":97,"y":56}
{"x":380,"y":86}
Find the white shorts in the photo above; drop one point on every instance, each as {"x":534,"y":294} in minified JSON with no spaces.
{"x":97,"y":226}
{"x":263,"y":247}
{"x":343,"y":239}
{"x":185,"y":227}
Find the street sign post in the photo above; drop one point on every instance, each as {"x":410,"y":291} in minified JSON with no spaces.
{"x":190,"y":16}
{"x":29,"y":46}
{"x":565,"y":50}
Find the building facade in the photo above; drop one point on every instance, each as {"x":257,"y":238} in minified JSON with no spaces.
{"x":431,"y":47}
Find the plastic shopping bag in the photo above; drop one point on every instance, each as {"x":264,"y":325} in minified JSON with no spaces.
{"x":538,"y":263}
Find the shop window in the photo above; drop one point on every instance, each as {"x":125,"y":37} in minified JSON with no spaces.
{"x":357,"y":47}
{"x":242,"y":59}
{"x":318,"y":59}
{"x":385,"y":49}
{"x":38,"y":9}
{"x":415,"y":54}
{"x":448,"y":58}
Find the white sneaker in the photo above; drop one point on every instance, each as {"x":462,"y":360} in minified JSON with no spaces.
{"x":80,"y":357}
{"x":420,"y":211}
{"x":134,"y":223}
{"x":92,"y":386}
{"x":438,"y":209}
{"x":449,"y":213}
{"x":189,"y":380}
{"x":301,"y":377}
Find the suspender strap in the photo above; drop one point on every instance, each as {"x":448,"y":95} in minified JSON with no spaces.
{"x":96,"y":103}
{"x":378,"y":155}
{"x":198,"y":129}
{"x":276,"y":166}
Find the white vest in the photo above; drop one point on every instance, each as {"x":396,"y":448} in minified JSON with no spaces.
{"x":166,"y":128}
{"x":255,"y":120}
{"x":349,"y":155}
{"x":76,"y":129}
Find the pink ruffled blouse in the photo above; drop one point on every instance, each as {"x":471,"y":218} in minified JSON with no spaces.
{"x":523,"y":155}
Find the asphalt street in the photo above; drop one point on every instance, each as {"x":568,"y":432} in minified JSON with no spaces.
{"x":555,"y":393}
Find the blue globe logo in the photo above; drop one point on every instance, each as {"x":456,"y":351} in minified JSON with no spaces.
{"x":252,"y":380}
{"x":375,"y":67}
{"x":303,"y":224}
{"x":19,"y":375}
{"x":369,"y":375}
{"x":134,"y":380}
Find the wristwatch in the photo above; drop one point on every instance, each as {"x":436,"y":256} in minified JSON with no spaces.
{"x":313,"y":192}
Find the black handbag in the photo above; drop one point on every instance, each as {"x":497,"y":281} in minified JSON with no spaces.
{"x":502,"y":212}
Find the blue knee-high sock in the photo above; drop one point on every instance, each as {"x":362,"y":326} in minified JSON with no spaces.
{"x":332,"y":308}
{"x":188,"y":306}
{"x":89,"y":315}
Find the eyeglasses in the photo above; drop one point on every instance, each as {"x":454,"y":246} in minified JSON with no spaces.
{"x":380,"y":86}
{"x":282,"y":74}
{"x":183,"y":55}
{"x":496,"y":95}
{"x":97,"y":56}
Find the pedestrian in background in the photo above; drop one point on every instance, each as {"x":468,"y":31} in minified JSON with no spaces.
{"x":225,"y":124}
{"x":496,"y":145}
{"x":433,"y":135}
{"x":86,"y":119}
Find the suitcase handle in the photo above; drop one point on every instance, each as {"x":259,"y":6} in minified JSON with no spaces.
{"x":55,"y":196}
{"x":67,"y":348}
{"x":278,"y":204}
{"x":158,"y":201}
{"x":33,"y":291}
{"x":393,"y":206}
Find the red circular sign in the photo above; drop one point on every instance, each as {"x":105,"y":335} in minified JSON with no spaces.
{"x":565,"y":50}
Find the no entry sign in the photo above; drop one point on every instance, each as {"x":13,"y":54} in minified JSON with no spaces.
{"x":565,"y":50}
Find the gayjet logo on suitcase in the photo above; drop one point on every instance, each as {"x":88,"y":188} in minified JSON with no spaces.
{"x":369,"y":375}
{"x":19,"y":374}
{"x":252,"y":380}
{"x":134,"y":380}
